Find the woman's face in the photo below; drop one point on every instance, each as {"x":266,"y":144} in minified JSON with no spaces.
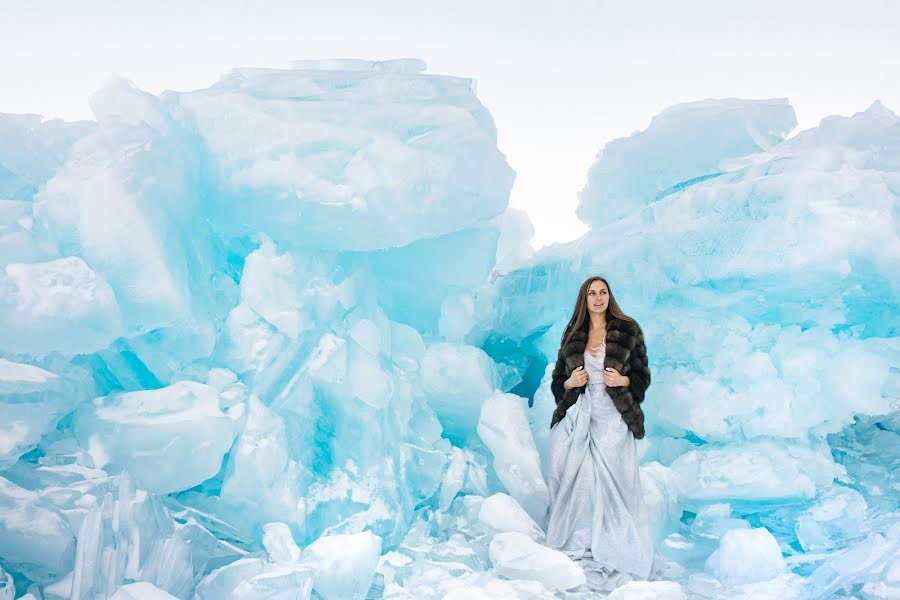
{"x":597,"y":297}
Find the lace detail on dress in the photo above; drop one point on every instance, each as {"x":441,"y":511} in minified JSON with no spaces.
{"x":599,"y":350}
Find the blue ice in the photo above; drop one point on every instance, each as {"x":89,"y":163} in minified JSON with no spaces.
{"x":284,"y":335}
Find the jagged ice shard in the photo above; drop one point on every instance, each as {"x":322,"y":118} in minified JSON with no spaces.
{"x":283,"y":338}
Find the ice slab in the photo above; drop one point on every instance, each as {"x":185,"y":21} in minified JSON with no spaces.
{"x":35,"y":539}
{"x":356,"y":159}
{"x":343,"y":565}
{"x":516,"y":556}
{"x":687,"y":142}
{"x":503,"y":427}
{"x":759,"y":471}
{"x":502,"y":514}
{"x":746,"y":556}
{"x":32,"y":149}
{"x":60,"y":305}
{"x":169,"y":439}
{"x":141,"y":591}
{"x":31,"y":401}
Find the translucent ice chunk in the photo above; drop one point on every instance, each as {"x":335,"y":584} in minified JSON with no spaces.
{"x":746,"y":556}
{"x":454,"y":477}
{"x":251,"y":343}
{"x":269,"y":287}
{"x":261,"y":480}
{"x":501,"y":513}
{"x":539,"y":415}
{"x":259,"y":472}
{"x":837,"y":516}
{"x":513,"y":247}
{"x":17,"y":243}
{"x":169,"y":439}
{"x":685,"y":142}
{"x":517,"y":556}
{"x":343,"y":565}
{"x":660,"y":488}
{"x":457,"y":378}
{"x":128,"y":535}
{"x":277,"y":582}
{"x":133,"y":214}
{"x":415,"y":280}
{"x":889,"y":586}
{"x":32,"y":150}
{"x":257,"y":579}
{"x":504,"y":429}
{"x":35,"y":539}
{"x":31,"y":401}
{"x":58,"y":305}
{"x":7,"y":587}
{"x":222,"y":581}
{"x":758,"y":471}
{"x":328,"y":156}
{"x":279,"y":543}
{"x":141,"y":590}
{"x":861,"y":562}
{"x":787,"y":586}
{"x":457,"y":317}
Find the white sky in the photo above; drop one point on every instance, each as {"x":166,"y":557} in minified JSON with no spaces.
{"x":560,"y":78}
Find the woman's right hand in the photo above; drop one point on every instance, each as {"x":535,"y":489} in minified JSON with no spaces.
{"x":578,"y":378}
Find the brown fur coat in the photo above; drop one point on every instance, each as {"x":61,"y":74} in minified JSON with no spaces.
{"x":625,"y":352}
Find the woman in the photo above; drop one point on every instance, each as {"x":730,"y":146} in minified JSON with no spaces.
{"x":597,"y":513}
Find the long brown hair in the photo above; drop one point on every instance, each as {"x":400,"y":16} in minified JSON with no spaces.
{"x":580,"y":320}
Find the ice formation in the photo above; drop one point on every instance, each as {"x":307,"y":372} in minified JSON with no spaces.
{"x":282,"y":338}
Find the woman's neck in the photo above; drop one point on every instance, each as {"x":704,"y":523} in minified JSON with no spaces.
{"x":598,"y":321}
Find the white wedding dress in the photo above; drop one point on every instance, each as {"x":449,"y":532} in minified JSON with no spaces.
{"x":597,"y":514}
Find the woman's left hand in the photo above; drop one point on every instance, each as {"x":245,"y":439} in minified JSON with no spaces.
{"x":613,"y":378}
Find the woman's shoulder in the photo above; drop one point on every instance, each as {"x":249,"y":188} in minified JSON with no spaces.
{"x":579,"y":338}
{"x":580,"y":335}
{"x":625,"y":326}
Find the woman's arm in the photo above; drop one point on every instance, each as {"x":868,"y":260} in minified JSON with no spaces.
{"x":558,"y":378}
{"x":639,"y":373}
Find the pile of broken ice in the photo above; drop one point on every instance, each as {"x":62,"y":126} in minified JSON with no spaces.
{"x":282,"y":338}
